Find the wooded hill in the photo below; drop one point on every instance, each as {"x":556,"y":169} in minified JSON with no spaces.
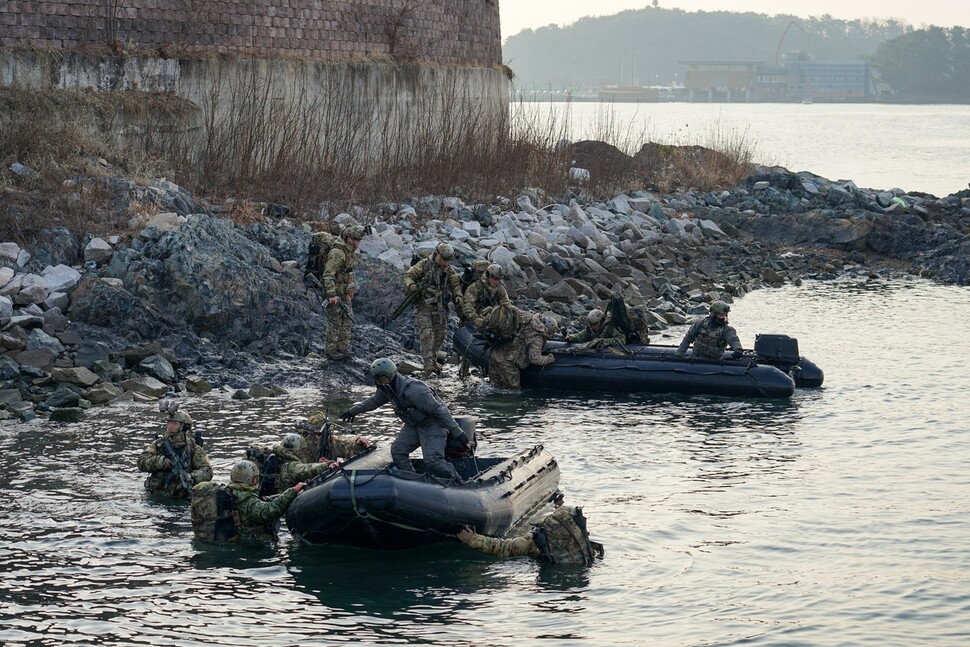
{"x":594,"y":52}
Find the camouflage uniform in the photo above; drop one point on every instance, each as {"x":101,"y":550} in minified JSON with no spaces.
{"x":480,"y":298}
{"x":427,"y":423}
{"x":293,"y":468}
{"x":338,"y":281}
{"x":523,"y":350}
{"x":338,"y":445}
{"x":709,"y":339}
{"x":607,"y":332}
{"x":162,"y":479}
{"x":438,"y":286}
{"x":558,"y":539}
{"x":258,"y":519}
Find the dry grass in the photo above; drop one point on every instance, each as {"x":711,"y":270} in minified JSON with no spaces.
{"x":243,"y":146}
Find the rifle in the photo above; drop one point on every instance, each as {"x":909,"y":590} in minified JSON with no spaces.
{"x":404,"y":305}
{"x":323,"y":442}
{"x":179,"y":468}
{"x":311,"y":281}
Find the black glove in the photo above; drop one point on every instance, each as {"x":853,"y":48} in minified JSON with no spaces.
{"x":348,"y":415}
{"x":737,"y":354}
{"x":461,"y":438}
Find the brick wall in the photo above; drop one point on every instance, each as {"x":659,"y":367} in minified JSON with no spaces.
{"x":455,"y":32}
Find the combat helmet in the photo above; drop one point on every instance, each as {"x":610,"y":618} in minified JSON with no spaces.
{"x":294,"y":443}
{"x":353,"y":231}
{"x":595,"y":316}
{"x":244,"y":472}
{"x":719,"y":307}
{"x":495,"y":271}
{"x":445,"y":251}
{"x":382,"y":367}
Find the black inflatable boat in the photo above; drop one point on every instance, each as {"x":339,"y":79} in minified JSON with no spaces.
{"x":369,"y":504}
{"x":772,"y":371}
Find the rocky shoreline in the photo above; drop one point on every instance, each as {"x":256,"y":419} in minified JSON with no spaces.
{"x":193,"y":301}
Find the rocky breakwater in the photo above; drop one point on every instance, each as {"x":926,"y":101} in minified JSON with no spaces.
{"x":189,"y":301}
{"x":930,"y":235}
{"x":187,"y":297}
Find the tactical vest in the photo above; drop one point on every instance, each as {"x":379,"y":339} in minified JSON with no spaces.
{"x":562,"y":538}
{"x":709,"y":342}
{"x":269,"y":469}
{"x":214,"y":517}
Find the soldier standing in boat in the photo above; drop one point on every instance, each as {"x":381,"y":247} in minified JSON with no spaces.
{"x":175,"y":461}
{"x":436,"y":283}
{"x":427,"y":421}
{"x":560,"y":538}
{"x":711,"y":335}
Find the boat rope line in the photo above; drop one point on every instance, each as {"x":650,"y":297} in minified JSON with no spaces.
{"x":366,"y":515}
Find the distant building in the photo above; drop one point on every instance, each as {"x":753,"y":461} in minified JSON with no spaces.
{"x":798,"y":78}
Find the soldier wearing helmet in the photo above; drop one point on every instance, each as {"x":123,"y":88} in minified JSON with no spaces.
{"x":560,"y":538}
{"x":524,"y":349}
{"x":712,"y":335}
{"x":484,"y":294}
{"x":175,"y":459}
{"x":599,"y":331}
{"x":436,"y":284}
{"x":258,"y":517}
{"x":323,"y":443}
{"x":427,"y":421}
{"x":338,"y":291}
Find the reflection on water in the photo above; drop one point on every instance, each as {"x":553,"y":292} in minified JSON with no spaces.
{"x":838,"y":517}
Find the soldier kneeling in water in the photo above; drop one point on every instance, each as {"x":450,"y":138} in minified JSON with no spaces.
{"x":560,"y":538}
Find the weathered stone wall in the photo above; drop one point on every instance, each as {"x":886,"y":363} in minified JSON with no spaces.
{"x":451,"y":32}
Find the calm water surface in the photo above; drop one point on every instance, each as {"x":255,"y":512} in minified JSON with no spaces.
{"x":917,"y":148}
{"x":840,"y":517}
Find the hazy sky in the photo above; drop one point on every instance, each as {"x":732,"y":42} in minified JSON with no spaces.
{"x":524,"y":14}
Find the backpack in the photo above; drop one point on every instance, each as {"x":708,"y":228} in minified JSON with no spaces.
{"x":321,"y":243}
{"x":473,"y":273}
{"x":502,"y":322}
{"x":562,"y":538}
{"x":632,"y":322}
{"x":269,"y":469}
{"x":213,"y":513}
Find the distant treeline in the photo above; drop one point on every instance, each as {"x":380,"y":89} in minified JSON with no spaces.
{"x":646,"y":46}
{"x":927,"y":65}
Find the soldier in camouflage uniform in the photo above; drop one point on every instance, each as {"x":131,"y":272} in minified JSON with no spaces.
{"x":338,"y":290}
{"x":560,"y":538}
{"x":711,"y":335}
{"x":257,"y":518}
{"x":599,"y":330}
{"x":438,"y":284}
{"x":337,"y":445}
{"x":523,"y":350}
{"x":162,"y":478}
{"x":483,"y":295}
{"x":292,"y":460}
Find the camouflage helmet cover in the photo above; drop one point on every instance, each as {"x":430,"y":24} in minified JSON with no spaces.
{"x":243,"y":472}
{"x":353,"y":231}
{"x":445,"y":251}
{"x":382,"y":367}
{"x":595,"y":316}
{"x":495,"y":271}
{"x":719,"y":307}
{"x":294,"y":442}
